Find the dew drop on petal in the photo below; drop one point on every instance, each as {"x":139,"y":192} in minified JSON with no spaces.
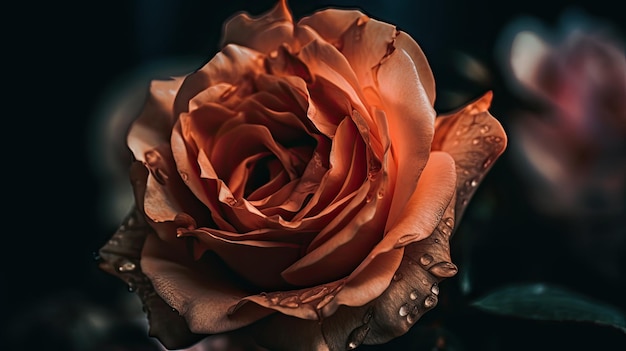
{"x":426,"y":259}
{"x":356,"y":337}
{"x":404,"y":310}
{"x":126,"y":266}
{"x":449,"y":222}
{"x":435,"y":289}
{"x":430,"y":301}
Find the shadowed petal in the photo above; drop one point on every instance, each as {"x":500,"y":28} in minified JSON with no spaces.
{"x":475,"y":139}
{"x":201,"y":291}
{"x":120,"y":257}
{"x":258,"y":261}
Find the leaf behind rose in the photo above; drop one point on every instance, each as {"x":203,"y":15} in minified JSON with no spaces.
{"x":550,"y":303}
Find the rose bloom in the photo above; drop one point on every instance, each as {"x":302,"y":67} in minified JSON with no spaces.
{"x":572,"y":146}
{"x":298,"y":190}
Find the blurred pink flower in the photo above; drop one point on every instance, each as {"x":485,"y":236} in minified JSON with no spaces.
{"x":572,"y":146}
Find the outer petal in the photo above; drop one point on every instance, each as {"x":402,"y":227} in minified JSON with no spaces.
{"x":412,"y":292}
{"x":264,"y":33}
{"x":120,"y":257}
{"x":475,"y":139}
{"x":330,"y":24}
{"x":411,"y":124}
{"x":201,"y":291}
{"x":421,"y":216}
{"x":153,"y":126}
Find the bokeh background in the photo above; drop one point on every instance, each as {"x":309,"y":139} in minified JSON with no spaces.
{"x":77,"y":71}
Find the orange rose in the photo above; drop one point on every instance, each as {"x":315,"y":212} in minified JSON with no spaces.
{"x":298,"y":186}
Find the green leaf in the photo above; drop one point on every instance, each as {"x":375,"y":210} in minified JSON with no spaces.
{"x":550,"y":303}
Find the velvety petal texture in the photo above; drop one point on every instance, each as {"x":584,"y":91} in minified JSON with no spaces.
{"x":298,"y":186}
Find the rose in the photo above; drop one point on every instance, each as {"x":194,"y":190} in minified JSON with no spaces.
{"x":298,"y":186}
{"x":570,"y":147}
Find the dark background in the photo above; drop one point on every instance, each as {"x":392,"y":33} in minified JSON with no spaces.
{"x":70,"y":64}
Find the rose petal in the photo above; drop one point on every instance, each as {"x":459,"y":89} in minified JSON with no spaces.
{"x":120,"y":257}
{"x":202,"y":292}
{"x":365,"y":44}
{"x":420,"y":217}
{"x":153,"y":126}
{"x":190,"y":171}
{"x":413,"y":291}
{"x":475,"y":139}
{"x":333,"y":255}
{"x":411,"y":120}
{"x":328,"y":65}
{"x":263,"y":33}
{"x":234,"y":65}
{"x":331,"y":23}
{"x":407,"y":43}
{"x":346,"y":159}
{"x":258,"y":261}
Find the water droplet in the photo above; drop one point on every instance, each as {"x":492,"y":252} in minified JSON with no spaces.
{"x":274,"y":299}
{"x":443,"y":269}
{"x":397,"y":277}
{"x":126,"y":266}
{"x":273,"y":54}
{"x":413,"y":315}
{"x":449,"y":222}
{"x":497,"y":139}
{"x":380,"y":194}
{"x":436,"y":241}
{"x":435,"y":289}
{"x":487,"y":163}
{"x":446,"y":231}
{"x":484,"y":129}
{"x":414,"y":295}
{"x":430,"y":301}
{"x":476,"y":141}
{"x":368,"y":198}
{"x":474,"y":182}
{"x":113,"y":242}
{"x":426,"y":259}
{"x":357,"y":336}
{"x":132,"y":286}
{"x":404,"y":310}
{"x":96,"y":256}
